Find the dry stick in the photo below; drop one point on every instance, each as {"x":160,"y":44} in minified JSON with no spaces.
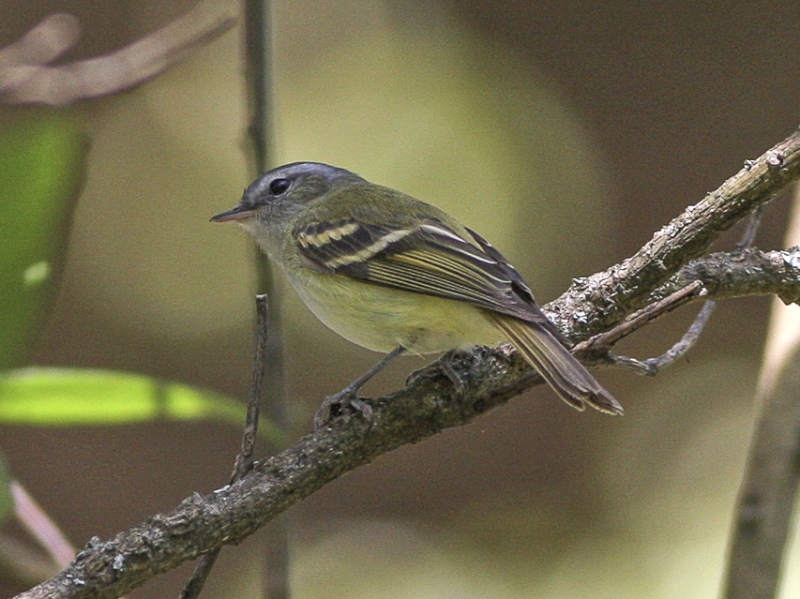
{"x":37,"y":522}
{"x":429,"y":404}
{"x":653,"y":366}
{"x":763,"y":514}
{"x":28,"y":79}
{"x":682,"y":347}
{"x":259,"y":79}
{"x":750,"y":231}
{"x":244,"y":461}
{"x":646,"y":315}
{"x":43,"y":43}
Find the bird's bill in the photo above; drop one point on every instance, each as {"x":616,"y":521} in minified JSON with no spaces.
{"x":236,"y":214}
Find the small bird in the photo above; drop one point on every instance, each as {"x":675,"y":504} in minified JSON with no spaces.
{"x":393,"y":274}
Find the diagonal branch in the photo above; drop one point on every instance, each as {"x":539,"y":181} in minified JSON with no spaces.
{"x":26,"y":77}
{"x":429,"y":404}
{"x":603,"y":299}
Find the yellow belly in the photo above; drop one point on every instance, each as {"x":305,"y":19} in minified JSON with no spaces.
{"x":381,"y":318}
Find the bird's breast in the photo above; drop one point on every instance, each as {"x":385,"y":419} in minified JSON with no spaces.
{"x":380,"y":318}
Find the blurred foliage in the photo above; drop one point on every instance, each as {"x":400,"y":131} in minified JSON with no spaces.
{"x":42,"y":167}
{"x":74,"y":397}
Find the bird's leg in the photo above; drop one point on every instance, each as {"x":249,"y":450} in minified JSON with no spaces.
{"x":449,"y":370}
{"x":347,"y":396}
{"x":447,"y":367}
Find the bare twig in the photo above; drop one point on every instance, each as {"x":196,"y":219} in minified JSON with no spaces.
{"x":27,"y":78}
{"x":258,"y":48}
{"x":258,"y":69}
{"x":646,"y":315}
{"x":686,"y":343}
{"x":429,"y":403}
{"x":741,"y":273}
{"x":749,"y":235}
{"x":244,"y":461}
{"x":41,"y":527}
{"x":652,"y":366}
{"x":682,"y":347}
{"x":45,"y":42}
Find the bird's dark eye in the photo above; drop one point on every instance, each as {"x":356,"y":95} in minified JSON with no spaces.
{"x":278,"y":186}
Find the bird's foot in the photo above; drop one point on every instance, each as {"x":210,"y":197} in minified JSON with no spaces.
{"x":335,"y":405}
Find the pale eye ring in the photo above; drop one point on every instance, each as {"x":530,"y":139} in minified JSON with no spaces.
{"x":279,"y":186}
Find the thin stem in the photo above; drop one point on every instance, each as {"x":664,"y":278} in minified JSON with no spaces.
{"x":652,"y":366}
{"x":682,"y":347}
{"x":27,"y":77}
{"x":244,"y":461}
{"x":41,"y":527}
{"x":259,"y":76}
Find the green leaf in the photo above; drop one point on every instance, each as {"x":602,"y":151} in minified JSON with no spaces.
{"x":70,"y":397}
{"x":42,"y":168}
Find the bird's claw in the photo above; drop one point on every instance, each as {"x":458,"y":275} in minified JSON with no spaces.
{"x":338,"y":403}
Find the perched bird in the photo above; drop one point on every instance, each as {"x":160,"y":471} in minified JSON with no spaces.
{"x":393,"y":274}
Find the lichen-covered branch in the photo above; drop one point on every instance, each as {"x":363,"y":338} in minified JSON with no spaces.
{"x":741,"y":273}
{"x":593,"y":304}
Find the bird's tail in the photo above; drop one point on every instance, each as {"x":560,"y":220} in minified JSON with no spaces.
{"x":568,"y":377}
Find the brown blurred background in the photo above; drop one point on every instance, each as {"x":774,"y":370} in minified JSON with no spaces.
{"x":566,"y":133}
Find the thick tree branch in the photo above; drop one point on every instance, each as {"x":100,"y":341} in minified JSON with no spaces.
{"x":429,"y":403}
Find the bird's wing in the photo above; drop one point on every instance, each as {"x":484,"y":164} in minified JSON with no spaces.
{"x":428,"y":257}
